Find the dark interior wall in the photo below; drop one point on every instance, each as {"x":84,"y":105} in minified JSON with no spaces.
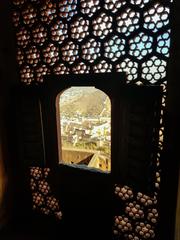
{"x":177,"y":226}
{"x":170,"y":199}
{"x":10,"y":173}
{"x":174,"y":105}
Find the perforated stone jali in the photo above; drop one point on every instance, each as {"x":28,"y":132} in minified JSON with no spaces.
{"x":86,"y":36}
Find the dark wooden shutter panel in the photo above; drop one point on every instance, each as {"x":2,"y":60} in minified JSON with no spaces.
{"x":30,"y":128}
{"x":135,"y":137}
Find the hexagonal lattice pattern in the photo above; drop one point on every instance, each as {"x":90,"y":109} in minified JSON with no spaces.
{"x":39,"y":34}
{"x":48,"y":11}
{"x":146,"y":200}
{"x":139,"y":3}
{"x":89,"y":7}
{"x":163,"y":43}
{"x":122,"y":224}
{"x":16,"y":18}
{"x":79,"y":29}
{"x":140,"y":45}
{"x":40,"y":72}
{"x":154,"y":69}
{"x":67,"y":8}
{"x":23,"y":37}
{"x":91,"y":50}
{"x":71,"y":25}
{"x":20,"y":56}
{"x":138,"y":214}
{"x":38,"y":199}
{"x":102,"y":67}
{"x":32,"y":184}
{"x":42,"y":198}
{"x":156,"y":17}
{"x":158,"y":178}
{"x":50,"y":54}
{"x":134,"y":210}
{"x":128,"y":21}
{"x":33,"y":55}
{"x":152,"y":215}
{"x":36,"y":172}
{"x":114,"y":5}
{"x":102,"y":25}
{"x":81,"y":68}
{"x":29,"y":15}
{"x":86,"y":36}
{"x":45,"y":210}
{"x":145,"y":230}
{"x":114,"y":48}
{"x":70,"y":52}
{"x":43,"y":187}
{"x":59,"y":31}
{"x":52,"y":203}
{"x":130,"y":67}
{"x":125,"y":193}
{"x":60,"y":69}
{"x":27,"y":74}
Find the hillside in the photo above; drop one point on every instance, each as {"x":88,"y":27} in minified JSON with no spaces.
{"x":86,"y":101}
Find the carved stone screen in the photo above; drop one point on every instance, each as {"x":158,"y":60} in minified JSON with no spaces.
{"x":86,"y":36}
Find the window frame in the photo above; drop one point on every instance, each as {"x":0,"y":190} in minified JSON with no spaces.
{"x":123,"y":97}
{"x":112,"y":84}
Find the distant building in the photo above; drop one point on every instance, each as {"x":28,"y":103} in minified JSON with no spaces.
{"x":90,"y":158}
{"x":76,"y":156}
{"x":101,"y":130}
{"x":100,"y":161}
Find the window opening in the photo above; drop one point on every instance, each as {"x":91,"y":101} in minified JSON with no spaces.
{"x":84,"y":128}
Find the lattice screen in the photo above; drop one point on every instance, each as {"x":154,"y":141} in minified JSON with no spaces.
{"x":85,"y":36}
{"x":42,"y":196}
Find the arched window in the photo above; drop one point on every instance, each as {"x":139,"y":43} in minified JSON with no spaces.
{"x":84,"y":127}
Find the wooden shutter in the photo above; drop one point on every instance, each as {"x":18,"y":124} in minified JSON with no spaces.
{"x":29,"y":124}
{"x":135,"y":135}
